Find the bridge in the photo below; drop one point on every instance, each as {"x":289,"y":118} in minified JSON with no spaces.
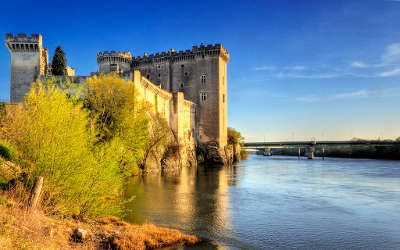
{"x":309,"y":146}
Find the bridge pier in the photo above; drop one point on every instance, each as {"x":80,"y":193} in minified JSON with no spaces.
{"x":310,"y":152}
{"x":267,"y":152}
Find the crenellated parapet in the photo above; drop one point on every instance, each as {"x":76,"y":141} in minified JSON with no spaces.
{"x":113,"y":56}
{"x":114,"y":61}
{"x":196,"y":52}
{"x":23,"y":43}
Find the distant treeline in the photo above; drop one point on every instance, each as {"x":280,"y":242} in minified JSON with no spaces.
{"x":347,"y":151}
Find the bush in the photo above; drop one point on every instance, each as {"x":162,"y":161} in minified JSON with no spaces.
{"x":243,"y":154}
{"x":50,"y":132}
{"x":118,"y":119}
{"x":234,"y":137}
{"x":6,"y":153}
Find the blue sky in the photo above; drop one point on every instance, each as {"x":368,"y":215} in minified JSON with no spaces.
{"x":299,"y":69}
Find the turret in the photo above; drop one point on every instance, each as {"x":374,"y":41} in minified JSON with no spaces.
{"x":29,"y":60}
{"x":114,"y":61}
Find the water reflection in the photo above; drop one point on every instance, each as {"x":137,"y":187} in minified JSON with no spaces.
{"x":277,"y":203}
{"x":195,"y":200}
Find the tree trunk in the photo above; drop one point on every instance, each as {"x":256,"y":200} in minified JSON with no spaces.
{"x":35,"y":194}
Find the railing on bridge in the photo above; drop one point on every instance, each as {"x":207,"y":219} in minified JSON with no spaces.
{"x":309,"y":147}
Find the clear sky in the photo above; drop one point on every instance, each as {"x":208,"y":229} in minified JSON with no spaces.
{"x":299,"y":69}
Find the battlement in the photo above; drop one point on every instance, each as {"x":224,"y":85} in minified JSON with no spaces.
{"x":197,"y":51}
{"x":111,"y":56}
{"x":23,"y":43}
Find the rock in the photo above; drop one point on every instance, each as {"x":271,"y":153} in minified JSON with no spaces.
{"x":79,"y":234}
{"x":213,"y":155}
{"x":236,"y":153}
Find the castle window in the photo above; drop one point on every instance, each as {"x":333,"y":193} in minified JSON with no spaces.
{"x":203,"y":96}
{"x":148,"y":76}
{"x":159,"y":75}
{"x":203,"y":79}
{"x":223,"y":98}
{"x":182,"y":65}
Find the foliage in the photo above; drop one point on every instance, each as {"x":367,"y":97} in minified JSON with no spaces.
{"x":243,"y":154}
{"x":234,"y":137}
{"x":159,"y":136}
{"x":6,"y":153}
{"x":398,"y":139}
{"x":59,"y":63}
{"x":50,"y":132}
{"x":118,"y":119}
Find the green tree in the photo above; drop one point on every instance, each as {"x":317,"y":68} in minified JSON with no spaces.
{"x":159,"y":136}
{"x":234,"y":137}
{"x":50,"y":132}
{"x":398,"y":139}
{"x":118,"y":118}
{"x":59,"y":63}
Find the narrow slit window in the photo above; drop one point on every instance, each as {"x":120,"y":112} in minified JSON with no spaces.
{"x":203,"y":79}
{"x":203,"y":96}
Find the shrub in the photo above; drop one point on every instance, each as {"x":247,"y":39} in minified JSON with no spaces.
{"x":118,"y":119}
{"x":50,"y":133}
{"x":234,"y":137}
{"x":243,"y":154}
{"x":6,"y":153}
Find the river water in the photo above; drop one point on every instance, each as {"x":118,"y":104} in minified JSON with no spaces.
{"x":278,"y":202}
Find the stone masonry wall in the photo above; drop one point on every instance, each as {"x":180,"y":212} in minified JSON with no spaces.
{"x":200,"y":74}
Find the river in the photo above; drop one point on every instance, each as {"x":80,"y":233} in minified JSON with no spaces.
{"x":277,"y":202}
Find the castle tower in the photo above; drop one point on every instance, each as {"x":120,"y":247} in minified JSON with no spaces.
{"x":201,"y":73}
{"x":29,"y":60}
{"x":114,"y":61}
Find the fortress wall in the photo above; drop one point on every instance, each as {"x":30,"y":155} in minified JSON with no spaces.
{"x":24,"y":71}
{"x":179,"y":113}
{"x":223,"y":107}
{"x":182,"y":72}
{"x":209,"y":109}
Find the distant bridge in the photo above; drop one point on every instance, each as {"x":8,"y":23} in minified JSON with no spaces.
{"x":309,"y":146}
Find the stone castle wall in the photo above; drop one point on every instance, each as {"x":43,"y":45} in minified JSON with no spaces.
{"x":178,"y":112}
{"x":28,"y":61}
{"x":200,"y":74}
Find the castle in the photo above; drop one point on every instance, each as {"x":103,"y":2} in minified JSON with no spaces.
{"x":188,"y":87}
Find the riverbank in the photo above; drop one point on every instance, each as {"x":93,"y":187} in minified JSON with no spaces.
{"x":20,"y":230}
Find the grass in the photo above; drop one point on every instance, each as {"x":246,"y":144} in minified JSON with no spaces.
{"x":20,"y":230}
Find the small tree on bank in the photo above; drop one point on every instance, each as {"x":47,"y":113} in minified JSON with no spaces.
{"x":234,"y":136}
{"x":59,"y":63}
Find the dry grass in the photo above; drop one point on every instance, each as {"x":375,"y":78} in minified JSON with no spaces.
{"x":19,"y":230}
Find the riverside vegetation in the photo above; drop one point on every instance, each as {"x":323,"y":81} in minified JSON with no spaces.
{"x":235,"y":138}
{"x":85,"y":141}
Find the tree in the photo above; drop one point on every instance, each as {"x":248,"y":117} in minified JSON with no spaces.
{"x":234,"y":137}
{"x":118,"y":118}
{"x":59,"y":63}
{"x":398,"y":139}
{"x":159,"y":136}
{"x":50,"y":133}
